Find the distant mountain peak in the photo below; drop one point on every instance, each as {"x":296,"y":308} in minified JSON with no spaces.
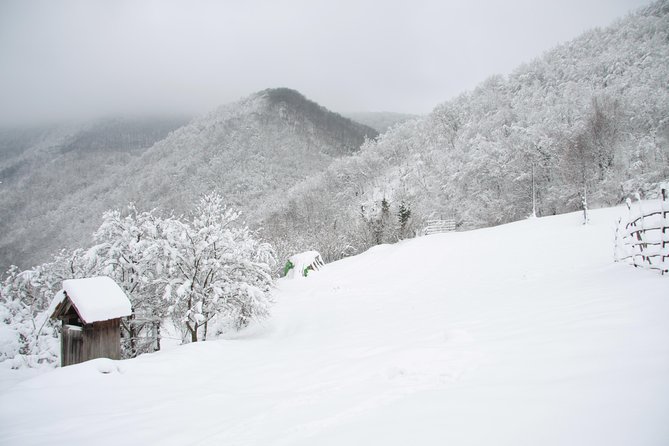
{"x":283,"y":99}
{"x":283,"y":102}
{"x":293,"y":99}
{"x":283,"y":94}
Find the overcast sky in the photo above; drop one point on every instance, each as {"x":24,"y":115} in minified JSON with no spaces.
{"x":63,"y":59}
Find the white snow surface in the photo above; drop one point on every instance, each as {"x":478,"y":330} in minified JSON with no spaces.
{"x":523,"y":334}
{"x":97,"y":298}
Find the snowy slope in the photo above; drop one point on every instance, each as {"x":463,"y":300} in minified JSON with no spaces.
{"x":523,"y":334}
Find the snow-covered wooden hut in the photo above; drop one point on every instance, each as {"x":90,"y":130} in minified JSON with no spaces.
{"x":91,"y":310}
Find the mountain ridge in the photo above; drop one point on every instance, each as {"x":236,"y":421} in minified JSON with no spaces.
{"x":586,"y":122}
{"x":246,"y":150}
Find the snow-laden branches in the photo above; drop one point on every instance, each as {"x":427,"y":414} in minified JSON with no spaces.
{"x":215,"y":270}
{"x":199,"y":270}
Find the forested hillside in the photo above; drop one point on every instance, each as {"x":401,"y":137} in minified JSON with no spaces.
{"x":41,"y":167}
{"x":251,"y":152}
{"x":587,"y":121}
{"x":57,"y":183}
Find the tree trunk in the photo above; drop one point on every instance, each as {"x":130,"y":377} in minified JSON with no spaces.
{"x":157,"y":332}
{"x":193,"y":331}
{"x":584,"y":199}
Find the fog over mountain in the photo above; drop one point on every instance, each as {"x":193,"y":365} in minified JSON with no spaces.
{"x":85,"y":58}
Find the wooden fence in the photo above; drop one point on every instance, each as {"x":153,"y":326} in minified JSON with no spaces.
{"x":642,"y":240}
{"x":439,"y":226}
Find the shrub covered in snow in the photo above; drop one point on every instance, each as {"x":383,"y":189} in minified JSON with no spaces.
{"x":27,"y":336}
{"x":202,"y":270}
{"x":215,"y":270}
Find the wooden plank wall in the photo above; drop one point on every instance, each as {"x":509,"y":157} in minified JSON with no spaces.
{"x":71,"y":345}
{"x":102,"y":340}
{"x":97,"y":340}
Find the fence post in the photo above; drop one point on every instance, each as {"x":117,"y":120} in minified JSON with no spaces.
{"x":664,"y":253}
{"x":632,"y":224}
{"x":617,"y":243}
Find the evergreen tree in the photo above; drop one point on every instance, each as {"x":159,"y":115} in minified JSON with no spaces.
{"x":403,"y":216}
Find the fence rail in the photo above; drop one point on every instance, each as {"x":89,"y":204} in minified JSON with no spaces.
{"x":642,"y":239}
{"x":439,"y":226}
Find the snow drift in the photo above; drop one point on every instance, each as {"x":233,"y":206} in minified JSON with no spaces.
{"x":526,"y":333}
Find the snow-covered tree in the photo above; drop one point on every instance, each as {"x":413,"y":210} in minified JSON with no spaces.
{"x":131,"y":248}
{"x":26,"y":337}
{"x":200,"y":270}
{"x":216,"y":270}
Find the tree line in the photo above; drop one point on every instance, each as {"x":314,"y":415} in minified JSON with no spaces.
{"x":205,"y":273}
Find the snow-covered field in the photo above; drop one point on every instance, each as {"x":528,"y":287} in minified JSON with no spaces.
{"x":523,"y":334}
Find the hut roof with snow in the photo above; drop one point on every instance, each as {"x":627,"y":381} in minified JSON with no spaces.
{"x":91,"y":311}
{"x":94,"y":299}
